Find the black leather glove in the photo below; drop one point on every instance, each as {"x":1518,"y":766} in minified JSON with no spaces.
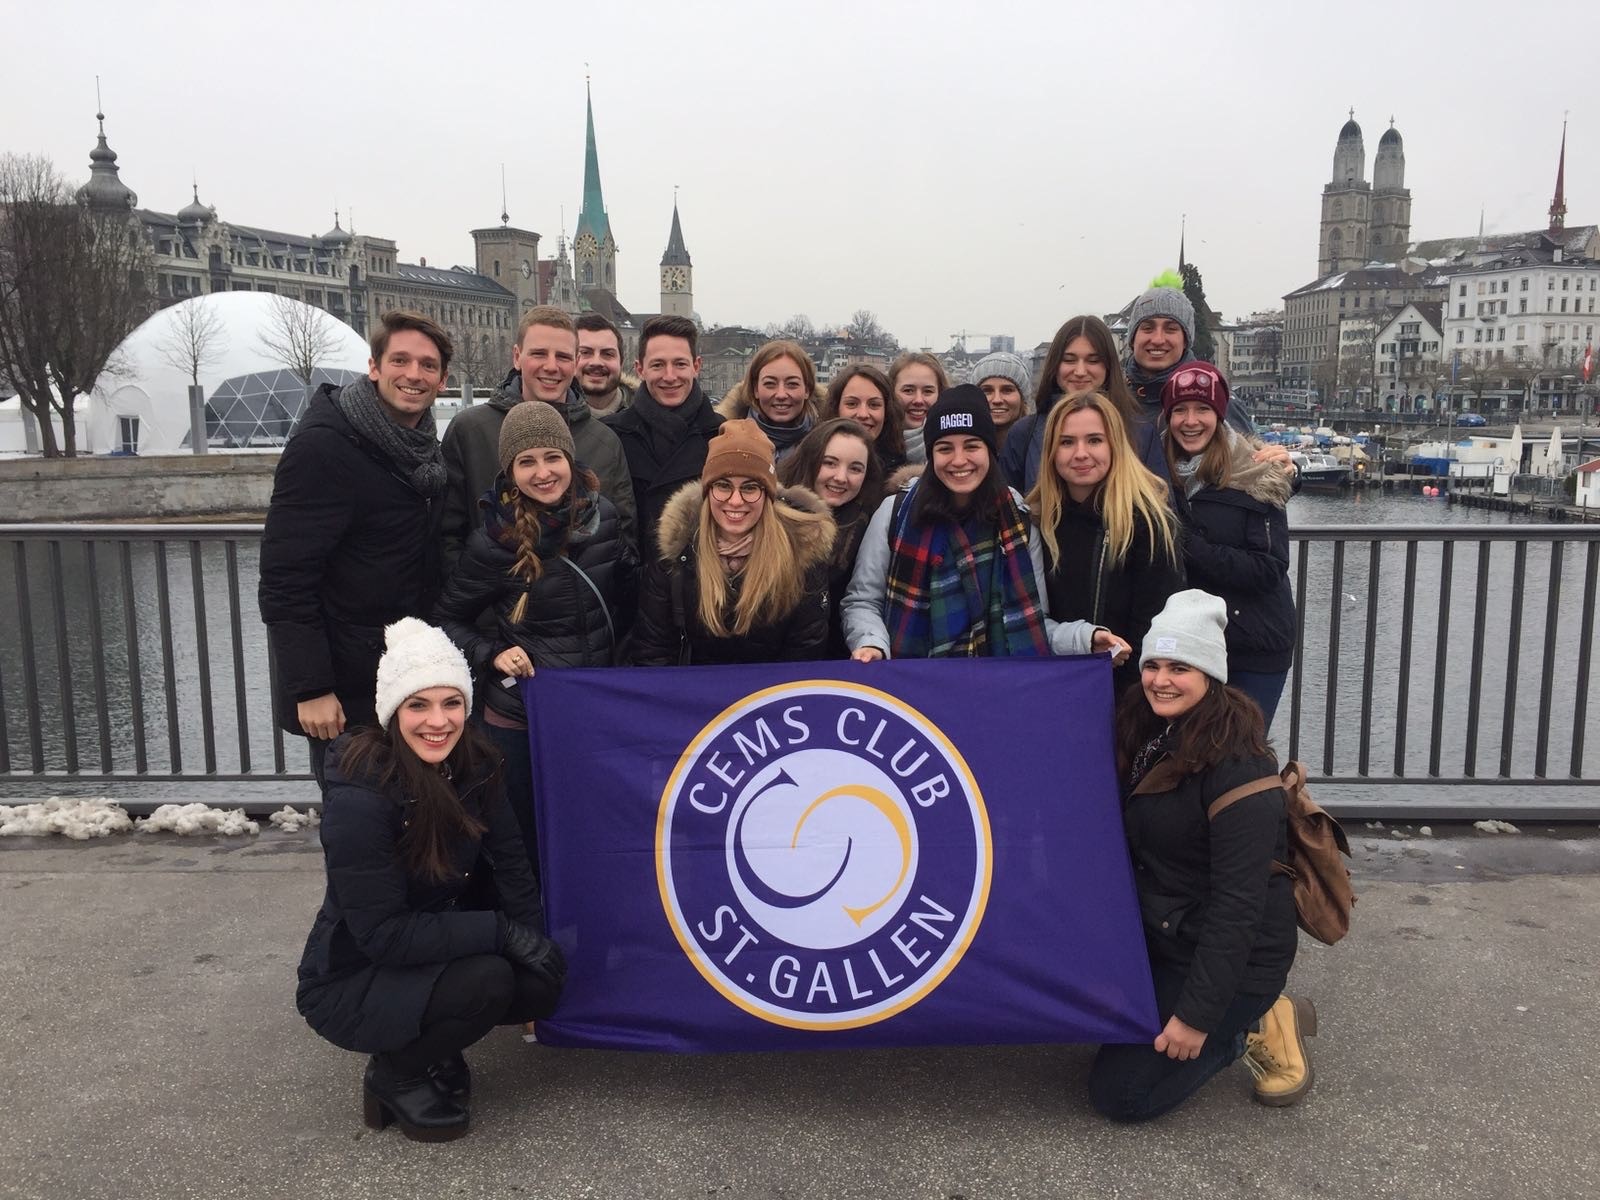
{"x":532,"y":951}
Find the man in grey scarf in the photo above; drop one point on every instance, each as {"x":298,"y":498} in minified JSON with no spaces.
{"x":352,"y":535}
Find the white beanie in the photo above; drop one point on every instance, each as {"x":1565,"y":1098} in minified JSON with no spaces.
{"x":417,"y":657}
{"x":1190,"y":630}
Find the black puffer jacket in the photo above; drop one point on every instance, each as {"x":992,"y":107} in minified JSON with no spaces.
{"x":383,"y":935}
{"x":1236,"y":545}
{"x":668,"y":631}
{"x":1085,"y":585}
{"x":349,"y":546}
{"x":851,"y":520}
{"x":1212,"y":905}
{"x":564,"y":625}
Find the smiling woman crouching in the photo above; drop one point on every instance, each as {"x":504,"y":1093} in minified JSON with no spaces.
{"x":431,"y":930}
{"x":1205,"y":821}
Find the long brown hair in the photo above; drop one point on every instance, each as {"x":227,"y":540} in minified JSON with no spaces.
{"x":1129,"y":493}
{"x":770,"y":353}
{"x":435,"y":815}
{"x":801,"y":467}
{"x":891,"y":443}
{"x":1216,"y":460}
{"x":1099,"y":335}
{"x":1224,"y":724}
{"x":526,"y":564}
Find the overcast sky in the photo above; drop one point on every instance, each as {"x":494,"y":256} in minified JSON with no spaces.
{"x":991,"y":167}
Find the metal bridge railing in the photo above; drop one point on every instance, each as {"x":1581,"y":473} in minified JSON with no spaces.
{"x":1439,"y":670}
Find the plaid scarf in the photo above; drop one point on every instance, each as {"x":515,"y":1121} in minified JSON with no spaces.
{"x":952,"y":594}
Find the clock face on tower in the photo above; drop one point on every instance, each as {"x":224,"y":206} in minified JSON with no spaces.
{"x":675,"y":278}
{"x":527,"y":269}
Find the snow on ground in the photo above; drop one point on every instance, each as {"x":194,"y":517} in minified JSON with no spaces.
{"x":291,"y":820}
{"x":76,"y":819}
{"x":1495,"y":827}
{"x":198,"y":818}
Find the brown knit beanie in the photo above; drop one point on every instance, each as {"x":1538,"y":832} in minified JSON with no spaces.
{"x":534,"y":425}
{"x":740,"y":448}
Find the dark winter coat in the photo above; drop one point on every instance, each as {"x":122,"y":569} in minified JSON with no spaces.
{"x":1212,"y":905}
{"x":349,"y":547}
{"x":471,"y":445}
{"x":382,"y":936}
{"x":851,"y":521}
{"x":564,"y":625}
{"x":668,"y":631}
{"x":1083,"y":584}
{"x":1236,"y":545}
{"x":659,"y":467}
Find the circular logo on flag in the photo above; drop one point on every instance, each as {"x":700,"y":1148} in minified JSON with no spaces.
{"x":823,"y":854}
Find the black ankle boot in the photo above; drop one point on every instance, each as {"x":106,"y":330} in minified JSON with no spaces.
{"x":453,"y":1077}
{"x":423,"y":1113}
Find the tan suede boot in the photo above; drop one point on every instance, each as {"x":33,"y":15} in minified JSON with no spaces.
{"x":1277,"y":1056}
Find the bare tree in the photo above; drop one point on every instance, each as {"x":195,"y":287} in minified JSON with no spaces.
{"x":798,"y":327}
{"x":194,"y":340}
{"x":864,"y":327}
{"x":298,"y":336}
{"x":73,"y":285}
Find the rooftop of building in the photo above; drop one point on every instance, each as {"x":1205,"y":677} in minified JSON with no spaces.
{"x":450,"y":277}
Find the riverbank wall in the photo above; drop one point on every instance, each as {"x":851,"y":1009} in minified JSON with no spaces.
{"x":167,"y":488}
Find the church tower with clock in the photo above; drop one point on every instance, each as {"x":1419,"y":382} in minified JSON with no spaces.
{"x":677,"y":274}
{"x":594,"y":250}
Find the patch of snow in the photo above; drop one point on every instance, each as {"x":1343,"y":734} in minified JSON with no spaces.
{"x":291,"y":820}
{"x":76,"y":819}
{"x":1398,"y":833}
{"x":1426,"y":831}
{"x":189,"y":819}
{"x":1495,"y":827}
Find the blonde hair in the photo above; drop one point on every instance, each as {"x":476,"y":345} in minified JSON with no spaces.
{"x":772,"y":586}
{"x":1129,"y":492}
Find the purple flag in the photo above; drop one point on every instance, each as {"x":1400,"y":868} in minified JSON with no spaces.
{"x":815,"y":855}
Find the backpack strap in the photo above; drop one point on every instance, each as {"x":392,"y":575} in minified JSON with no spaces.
{"x":1265,"y":784}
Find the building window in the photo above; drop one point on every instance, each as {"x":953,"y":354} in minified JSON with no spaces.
{"x":1463,"y":290}
{"x":128,"y":435}
{"x":1523,"y":284}
{"x":1461,"y":310}
{"x":1522,"y":305}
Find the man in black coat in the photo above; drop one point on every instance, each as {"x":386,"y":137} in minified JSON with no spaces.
{"x":666,"y":429}
{"x":352,"y":534}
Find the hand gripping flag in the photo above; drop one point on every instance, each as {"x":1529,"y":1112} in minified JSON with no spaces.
{"x":815,"y":855}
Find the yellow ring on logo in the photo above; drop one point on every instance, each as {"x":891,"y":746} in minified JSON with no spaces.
{"x":985,"y":849}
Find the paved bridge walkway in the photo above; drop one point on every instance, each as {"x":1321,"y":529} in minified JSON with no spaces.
{"x":149,"y":1048}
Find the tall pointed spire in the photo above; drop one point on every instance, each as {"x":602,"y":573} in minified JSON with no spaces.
{"x":1558,"y":206}
{"x":677,"y":254}
{"x":1183,"y":229}
{"x":592,"y":217}
{"x":505,"y":213}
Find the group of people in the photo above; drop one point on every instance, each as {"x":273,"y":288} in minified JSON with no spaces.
{"x":1117,"y":508}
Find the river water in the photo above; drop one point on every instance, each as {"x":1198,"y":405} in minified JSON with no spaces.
{"x":235,"y":669}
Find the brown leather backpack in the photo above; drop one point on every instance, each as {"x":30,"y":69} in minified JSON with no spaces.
{"x":1323,"y":895}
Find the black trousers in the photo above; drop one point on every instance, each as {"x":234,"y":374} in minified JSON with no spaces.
{"x":471,"y":997}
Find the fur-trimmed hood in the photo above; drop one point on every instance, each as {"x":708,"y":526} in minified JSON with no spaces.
{"x":1265,"y":482}
{"x":803,"y":515}
{"x":901,"y":476}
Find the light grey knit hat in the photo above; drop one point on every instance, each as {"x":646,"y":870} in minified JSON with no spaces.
{"x":1163,"y":302}
{"x":1002,"y":364}
{"x":417,"y":656}
{"x":1190,"y":629}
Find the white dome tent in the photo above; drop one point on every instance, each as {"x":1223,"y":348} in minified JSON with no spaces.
{"x":140,"y":405}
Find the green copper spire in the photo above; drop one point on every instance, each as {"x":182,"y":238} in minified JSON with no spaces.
{"x":592,"y":218}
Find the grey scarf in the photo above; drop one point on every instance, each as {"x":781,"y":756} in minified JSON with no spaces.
{"x":415,"y":451}
{"x":1188,"y":474}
